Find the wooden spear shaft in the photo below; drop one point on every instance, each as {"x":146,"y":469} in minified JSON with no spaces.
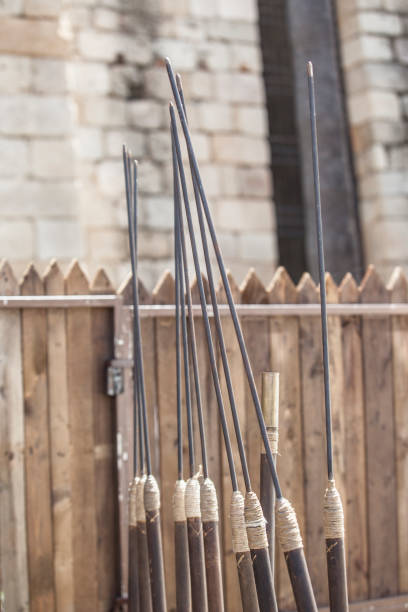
{"x":333,"y":510}
{"x":270,"y":409}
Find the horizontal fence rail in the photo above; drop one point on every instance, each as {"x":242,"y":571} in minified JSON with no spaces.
{"x":66,"y":449}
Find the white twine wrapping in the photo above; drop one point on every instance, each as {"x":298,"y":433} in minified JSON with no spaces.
{"x":333,"y":515}
{"x":151,"y":494}
{"x":140,"y":509}
{"x":132,"y":501}
{"x":287,"y":526}
{"x":179,"y":512}
{"x":273,"y":439}
{"x":255,"y":522}
{"x":209,"y":502}
{"x":239,"y":534}
{"x":192,"y":498}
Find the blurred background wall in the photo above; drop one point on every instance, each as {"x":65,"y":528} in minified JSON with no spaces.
{"x":80,"y":77}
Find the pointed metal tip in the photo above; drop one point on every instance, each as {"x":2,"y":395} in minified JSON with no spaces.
{"x":167,"y":62}
{"x":171,"y":105}
{"x":310,"y":68}
{"x":178,"y":80}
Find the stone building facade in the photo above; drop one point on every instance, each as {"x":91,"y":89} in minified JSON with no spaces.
{"x":80,"y":77}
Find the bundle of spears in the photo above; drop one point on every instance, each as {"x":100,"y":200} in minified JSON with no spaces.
{"x":199,"y":585}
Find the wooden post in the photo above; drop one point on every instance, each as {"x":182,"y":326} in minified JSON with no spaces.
{"x":270,"y":409}
{"x":13,"y":535}
{"x":60,"y":444}
{"x":285,"y":358}
{"x":37,"y":457}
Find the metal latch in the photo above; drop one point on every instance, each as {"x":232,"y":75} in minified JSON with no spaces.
{"x":115,"y":382}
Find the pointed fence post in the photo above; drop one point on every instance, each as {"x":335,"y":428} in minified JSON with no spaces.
{"x":380,"y":440}
{"x":13,"y":535}
{"x":60,"y":443}
{"x":355,"y":502}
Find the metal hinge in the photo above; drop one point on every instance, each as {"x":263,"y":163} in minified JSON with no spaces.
{"x":116,"y":376}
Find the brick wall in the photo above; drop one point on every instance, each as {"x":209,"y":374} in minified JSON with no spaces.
{"x":374,"y":48}
{"x":79,"y":78}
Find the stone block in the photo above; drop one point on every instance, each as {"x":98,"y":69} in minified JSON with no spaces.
{"x":52,"y":159}
{"x":387,"y":240}
{"x":229,"y":180}
{"x":199,"y":85}
{"x":257,"y":246}
{"x":88,"y":143}
{"x":401,"y":49}
{"x":173,"y":7}
{"x":106,"y":19}
{"x":239,"y":10}
{"x":89,"y":78}
{"x":201,"y":9}
{"x":35,"y":38}
{"x":366,"y":48}
{"x":110,"y":178}
{"x":246,"y":58}
{"x":50,"y":76}
{"x":254,"y":182}
{"x":14,"y":157}
{"x":31,"y":198}
{"x":157,"y":212}
{"x":58,"y":238}
{"x":399,"y":157}
{"x":104,"y":112}
{"x":373,"y":159}
{"x":109,"y":46}
{"x":239,"y":88}
{"x":387,"y":132}
{"x":114,"y":139}
{"x":183,"y":54}
{"x":80,"y":17}
{"x":240,"y":149}
{"x":239,"y":214}
{"x":16,"y":239}
{"x":11,"y":7}
{"x":125,"y":81}
{"x":36,"y":115}
{"x":215,"y":116}
{"x":42,"y":8}
{"x":369,"y":76}
{"x":202,"y":147}
{"x":145,"y":114}
{"x":229,"y":244}
{"x":373,"y":105}
{"x":373,"y":22}
{"x":107,"y":244}
{"x":159,"y":145}
{"x":252,"y":120}
{"x":214,"y":56}
{"x":384,"y":184}
{"x":398,"y":6}
{"x":150,"y":177}
{"x":155,"y":245}
{"x":156,"y":84}
{"x":211,"y":179}
{"x":15,"y":74}
{"x":239,"y":31}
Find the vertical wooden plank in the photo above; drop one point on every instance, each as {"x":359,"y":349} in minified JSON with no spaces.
{"x":123,"y":343}
{"x":336,"y":391}
{"x":399,"y":293}
{"x":382,"y":511}
{"x":13,"y":536}
{"x":284,"y":342}
{"x":231,"y":582}
{"x":314,"y":446}
{"x":355,"y":503}
{"x":80,"y":371}
{"x":256,"y":333}
{"x":60,"y":444}
{"x":166,"y":398}
{"x":38,"y":468}
{"x":104,"y":448}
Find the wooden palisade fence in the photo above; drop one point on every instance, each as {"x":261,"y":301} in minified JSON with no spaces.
{"x":62,"y":498}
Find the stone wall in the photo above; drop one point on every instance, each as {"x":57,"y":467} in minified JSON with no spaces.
{"x":374,"y":48}
{"x":79,"y":78}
